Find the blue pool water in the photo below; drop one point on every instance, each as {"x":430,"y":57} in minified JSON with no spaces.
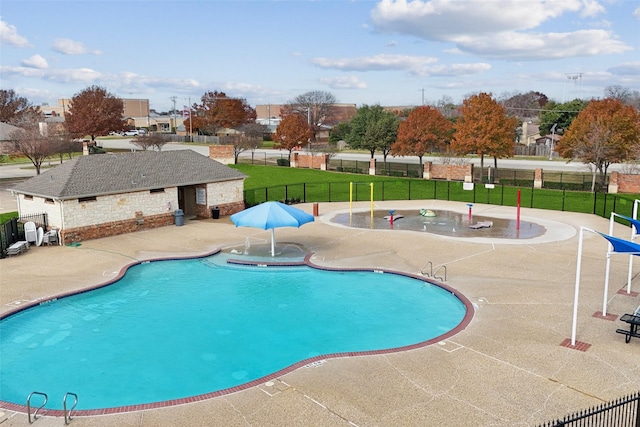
{"x":174,"y":329}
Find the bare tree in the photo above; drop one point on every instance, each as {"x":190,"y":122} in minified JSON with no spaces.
{"x":523,"y":106}
{"x":149,"y":141}
{"x":29,"y":141}
{"x":317,"y":108}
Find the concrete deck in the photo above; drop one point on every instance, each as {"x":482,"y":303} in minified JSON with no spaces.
{"x":507,"y":368}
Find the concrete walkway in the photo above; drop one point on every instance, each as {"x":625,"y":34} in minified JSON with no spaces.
{"x":507,"y":368}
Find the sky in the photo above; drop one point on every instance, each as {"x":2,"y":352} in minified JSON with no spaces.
{"x":387,"y":52}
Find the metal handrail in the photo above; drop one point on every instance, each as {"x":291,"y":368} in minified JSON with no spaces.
{"x":442,"y":267}
{"x":35,"y":414}
{"x":430,"y":264}
{"x":67,"y":414}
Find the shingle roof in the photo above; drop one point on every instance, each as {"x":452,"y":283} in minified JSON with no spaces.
{"x":101,"y":174}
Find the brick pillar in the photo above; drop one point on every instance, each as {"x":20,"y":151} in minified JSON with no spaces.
{"x":85,"y":148}
{"x":426,"y":174}
{"x":537,"y":179}
{"x":294,"y":160}
{"x":613,"y":182}
{"x":324,"y":162}
{"x":468,"y":176}
{"x":372,"y":166}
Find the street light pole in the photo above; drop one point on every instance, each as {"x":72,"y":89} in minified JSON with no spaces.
{"x":553,"y":138}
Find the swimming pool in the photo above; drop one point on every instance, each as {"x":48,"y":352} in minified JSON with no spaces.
{"x":173,"y":329}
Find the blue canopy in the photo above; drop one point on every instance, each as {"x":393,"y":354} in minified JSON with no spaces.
{"x":634,"y":222}
{"x":270,"y":215}
{"x":621,"y":245}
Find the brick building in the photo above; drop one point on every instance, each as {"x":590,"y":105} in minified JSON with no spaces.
{"x":109,"y":194}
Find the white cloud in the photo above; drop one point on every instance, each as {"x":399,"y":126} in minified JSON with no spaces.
{"x":36,"y":61}
{"x":415,"y":65}
{"x":626,"y":69}
{"x":636,"y":13}
{"x":9,"y":36}
{"x":71,"y":47}
{"x":497,"y":28}
{"x":520,"y":46}
{"x":375,"y":63}
{"x":343,"y":82}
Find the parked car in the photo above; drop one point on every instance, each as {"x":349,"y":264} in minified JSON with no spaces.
{"x":131,"y":133}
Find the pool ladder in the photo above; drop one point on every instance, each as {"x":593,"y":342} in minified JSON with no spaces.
{"x":427,"y":270}
{"x":67,"y":413}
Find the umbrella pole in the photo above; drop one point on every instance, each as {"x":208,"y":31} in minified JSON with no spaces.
{"x":273,"y":243}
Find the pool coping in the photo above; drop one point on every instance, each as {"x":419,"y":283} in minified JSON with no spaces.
{"x":469,"y":313}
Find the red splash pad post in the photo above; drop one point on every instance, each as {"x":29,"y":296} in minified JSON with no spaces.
{"x":518,"y":212}
{"x":470,"y":213}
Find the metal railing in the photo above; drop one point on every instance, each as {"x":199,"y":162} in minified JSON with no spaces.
{"x":601,"y":204}
{"x":12,"y":230}
{"x":622,"y":412}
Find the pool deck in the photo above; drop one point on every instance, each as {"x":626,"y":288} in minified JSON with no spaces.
{"x":509,"y":367}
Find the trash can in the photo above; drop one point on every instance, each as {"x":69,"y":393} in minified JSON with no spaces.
{"x":179,"y":217}
{"x":215,"y":212}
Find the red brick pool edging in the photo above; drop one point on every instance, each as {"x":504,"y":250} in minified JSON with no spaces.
{"x":258,"y":381}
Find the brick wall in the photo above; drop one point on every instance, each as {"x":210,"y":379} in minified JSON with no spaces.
{"x":624,"y":183}
{"x":115,"y":228}
{"x":222,"y":154}
{"x":449,"y":172}
{"x":303,"y":160}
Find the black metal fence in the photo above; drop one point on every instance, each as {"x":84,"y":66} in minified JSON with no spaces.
{"x":601,"y":204}
{"x":623,"y":412}
{"x":13,"y":230}
{"x":557,"y":180}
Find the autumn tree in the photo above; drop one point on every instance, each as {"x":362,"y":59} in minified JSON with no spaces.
{"x":292,"y":132}
{"x":373,"y":129}
{"x":605,"y":132}
{"x":217,"y":111}
{"x":153,"y":141}
{"x":484,"y":129}
{"x":14,"y":108}
{"x":339,"y":132}
{"x":424,"y":130}
{"x":94,"y":112}
{"x":560,"y":114}
{"x":317,"y":108}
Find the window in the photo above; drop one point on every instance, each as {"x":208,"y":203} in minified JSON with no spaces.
{"x":47,"y":200}
{"x":87,"y":199}
{"x":156,"y":190}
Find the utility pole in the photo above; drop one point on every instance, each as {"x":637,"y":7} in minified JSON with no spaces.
{"x":422,"y":90}
{"x":175,"y":120}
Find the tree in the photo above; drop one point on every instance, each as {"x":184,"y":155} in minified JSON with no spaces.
{"x":605,"y":132}
{"x":250,"y":138}
{"x":373,"y":129}
{"x":562,"y":114}
{"x":14,"y":108}
{"x":29,"y":141}
{"x":524,"y":105}
{"x":217,"y":111}
{"x":292,"y":132}
{"x":484,"y":129}
{"x":424,"y":129}
{"x":316,"y":108}
{"x":149,"y":141}
{"x":94,"y":112}
{"x":339,"y":132}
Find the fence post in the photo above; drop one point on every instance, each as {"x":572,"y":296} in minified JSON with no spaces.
{"x":304,"y":192}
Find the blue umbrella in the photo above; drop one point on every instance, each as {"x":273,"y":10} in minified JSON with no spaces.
{"x":270,"y":215}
